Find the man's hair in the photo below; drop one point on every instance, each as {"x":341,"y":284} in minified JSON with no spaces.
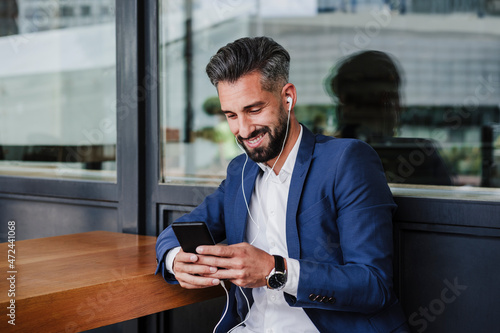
{"x":248,"y":55}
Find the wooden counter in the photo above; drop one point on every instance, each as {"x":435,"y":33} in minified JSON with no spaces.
{"x":77,"y":282}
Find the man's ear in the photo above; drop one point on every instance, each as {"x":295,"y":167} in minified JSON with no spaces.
{"x":289,"y":91}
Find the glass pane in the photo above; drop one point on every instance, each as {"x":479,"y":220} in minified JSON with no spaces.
{"x":58,"y":89}
{"x":417,"y":80}
{"x":196,"y":141}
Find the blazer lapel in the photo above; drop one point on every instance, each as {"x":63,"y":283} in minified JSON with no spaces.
{"x":302,"y":163}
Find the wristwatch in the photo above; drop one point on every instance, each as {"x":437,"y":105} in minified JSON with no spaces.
{"x":276,"y":280}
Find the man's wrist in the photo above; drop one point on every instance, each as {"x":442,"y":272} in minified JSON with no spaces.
{"x":277,"y":278}
{"x":293,"y":274}
{"x":269,"y":265}
{"x":169,"y":259}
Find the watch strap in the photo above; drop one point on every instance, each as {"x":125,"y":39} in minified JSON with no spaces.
{"x":279,"y":264}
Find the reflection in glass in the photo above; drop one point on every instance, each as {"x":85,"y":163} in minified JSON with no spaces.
{"x":8,"y":17}
{"x":446,"y":54}
{"x":58,"y":89}
{"x":366,"y":86}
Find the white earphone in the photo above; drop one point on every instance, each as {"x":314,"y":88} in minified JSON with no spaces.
{"x":289,"y":101}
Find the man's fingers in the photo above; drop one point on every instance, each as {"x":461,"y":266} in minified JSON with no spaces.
{"x":186,"y":257}
{"x":242,"y":264}
{"x":228,"y":257}
{"x":194,"y":269}
{"x":212,"y":261}
{"x":181,"y":258}
{"x":189,"y":281}
{"x":192,"y":273}
{"x":217,"y":250}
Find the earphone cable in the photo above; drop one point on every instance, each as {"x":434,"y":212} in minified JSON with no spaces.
{"x":284,"y":142}
{"x":253,"y":221}
{"x":227,"y":306}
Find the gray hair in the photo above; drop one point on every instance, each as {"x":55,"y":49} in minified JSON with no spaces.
{"x":248,"y":55}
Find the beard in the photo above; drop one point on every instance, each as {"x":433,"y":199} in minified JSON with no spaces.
{"x":276,"y":138}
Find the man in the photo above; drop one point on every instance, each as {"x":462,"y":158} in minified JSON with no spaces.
{"x":308,"y":219}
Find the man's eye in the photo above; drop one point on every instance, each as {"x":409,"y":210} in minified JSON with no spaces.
{"x":230,"y":116}
{"x":255,"y":111}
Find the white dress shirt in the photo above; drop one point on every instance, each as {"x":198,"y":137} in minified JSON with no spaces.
{"x":266,"y":229}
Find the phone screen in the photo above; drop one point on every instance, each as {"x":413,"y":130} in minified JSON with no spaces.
{"x":192,"y":234}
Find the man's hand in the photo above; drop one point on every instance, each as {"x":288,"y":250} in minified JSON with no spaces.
{"x":190,"y":273}
{"x":242,"y":264}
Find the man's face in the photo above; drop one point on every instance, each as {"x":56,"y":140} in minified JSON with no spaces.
{"x":256,"y":117}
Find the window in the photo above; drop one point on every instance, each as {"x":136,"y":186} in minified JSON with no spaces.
{"x":417,"y":80}
{"x":86,"y":11}
{"x":58,"y":95}
{"x":67,"y":11}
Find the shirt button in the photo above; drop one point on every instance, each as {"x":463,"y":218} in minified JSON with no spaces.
{"x":269,"y":330}
{"x":272,"y":244}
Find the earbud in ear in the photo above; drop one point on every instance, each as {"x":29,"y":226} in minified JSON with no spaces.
{"x":289,"y":101}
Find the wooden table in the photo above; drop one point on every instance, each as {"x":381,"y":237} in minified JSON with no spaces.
{"x":82,"y":281}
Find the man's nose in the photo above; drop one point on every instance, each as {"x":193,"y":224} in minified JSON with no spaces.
{"x":246,"y":128}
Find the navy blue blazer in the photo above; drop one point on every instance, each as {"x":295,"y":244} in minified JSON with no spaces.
{"x":338,"y":225}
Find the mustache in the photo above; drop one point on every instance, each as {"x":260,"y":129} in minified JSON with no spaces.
{"x":255,"y":133}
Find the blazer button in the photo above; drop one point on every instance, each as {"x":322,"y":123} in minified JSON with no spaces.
{"x":311,"y":297}
{"x":332,"y":300}
{"x":317,"y":298}
{"x":324,"y":299}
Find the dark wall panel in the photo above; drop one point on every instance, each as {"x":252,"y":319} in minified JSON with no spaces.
{"x":448,"y":277}
{"x":37,"y":217}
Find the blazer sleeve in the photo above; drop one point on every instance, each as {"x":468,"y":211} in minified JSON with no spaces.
{"x":211,"y":211}
{"x":363,"y":208}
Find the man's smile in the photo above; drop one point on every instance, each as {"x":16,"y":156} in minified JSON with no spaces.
{"x":255,"y":141}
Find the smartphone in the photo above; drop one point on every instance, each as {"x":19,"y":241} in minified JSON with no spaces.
{"x":192,"y":234}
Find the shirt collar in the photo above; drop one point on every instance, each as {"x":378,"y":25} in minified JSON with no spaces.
{"x":289,"y":164}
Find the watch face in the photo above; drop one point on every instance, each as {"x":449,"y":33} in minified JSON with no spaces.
{"x":277,"y":280}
